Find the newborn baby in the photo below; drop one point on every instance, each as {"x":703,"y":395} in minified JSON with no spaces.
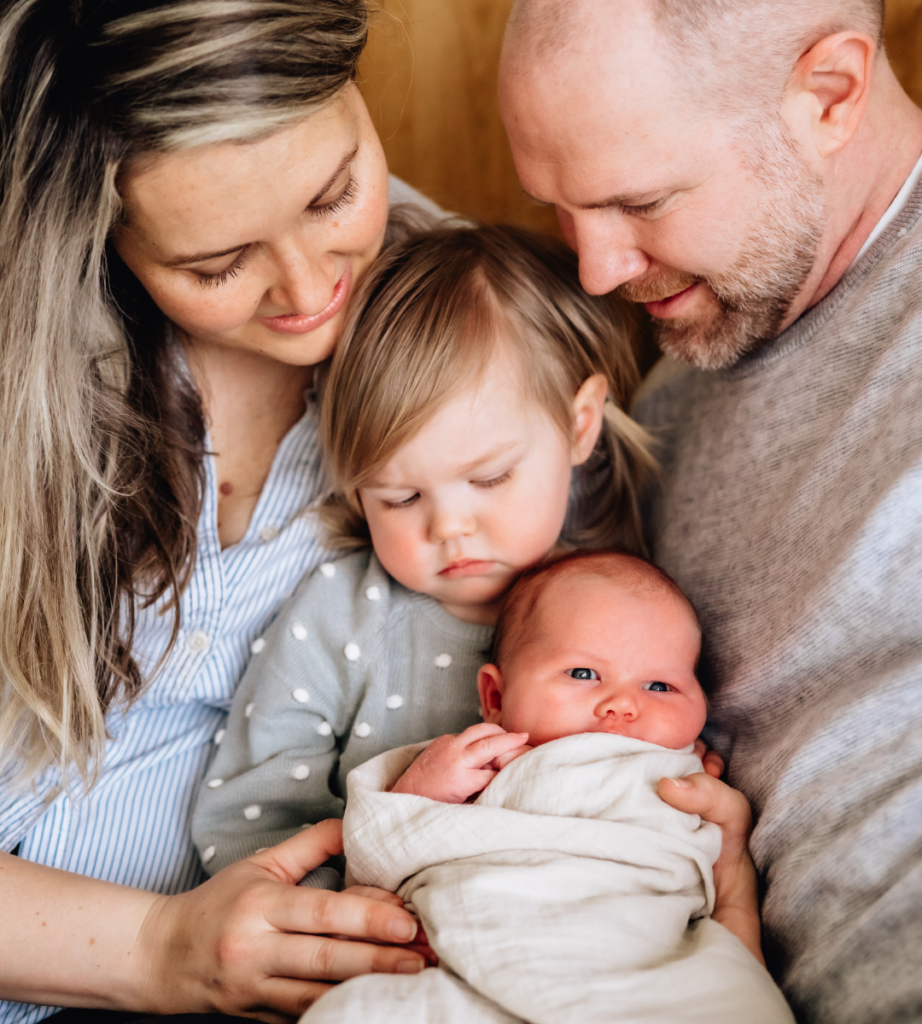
{"x":567,"y":891}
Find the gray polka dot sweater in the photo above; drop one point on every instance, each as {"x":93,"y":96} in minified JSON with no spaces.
{"x":355,"y":664}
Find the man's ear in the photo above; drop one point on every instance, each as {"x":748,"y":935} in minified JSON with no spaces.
{"x":588,"y":413}
{"x":828,"y":91}
{"x":490,"y":687}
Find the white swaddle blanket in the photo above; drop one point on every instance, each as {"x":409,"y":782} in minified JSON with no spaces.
{"x":568,"y":893}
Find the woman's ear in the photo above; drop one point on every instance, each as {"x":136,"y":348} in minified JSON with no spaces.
{"x":588,"y":413}
{"x":490,"y":687}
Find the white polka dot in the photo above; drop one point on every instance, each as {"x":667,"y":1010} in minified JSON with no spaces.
{"x":443,"y":661}
{"x":214,"y":783}
{"x":362,"y":730}
{"x":248,"y":710}
{"x":301,"y":696}
{"x":352,"y":652}
{"x":394,"y":701}
{"x":207,"y":854}
{"x":325,"y":729}
{"x":219,"y":735}
{"x":300,"y":772}
{"x":298,"y":631}
{"x":328,"y":569}
{"x":373,"y":594}
{"x":259,"y":644}
{"x":252,"y":812}
{"x":268,"y":533}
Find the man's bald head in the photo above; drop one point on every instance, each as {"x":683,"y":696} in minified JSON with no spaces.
{"x":739,"y":52}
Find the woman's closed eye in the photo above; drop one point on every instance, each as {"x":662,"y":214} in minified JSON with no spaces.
{"x":219,"y":278}
{"x":587,"y":674}
{"x":658,"y":687}
{"x":329,"y":207}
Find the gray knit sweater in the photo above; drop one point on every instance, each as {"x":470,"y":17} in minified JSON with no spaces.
{"x":354,"y":665}
{"x":790,"y":512}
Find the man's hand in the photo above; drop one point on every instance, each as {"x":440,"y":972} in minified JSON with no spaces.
{"x":453,"y":768}
{"x":736,"y":904}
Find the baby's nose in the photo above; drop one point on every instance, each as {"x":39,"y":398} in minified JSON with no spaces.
{"x":620,"y":703}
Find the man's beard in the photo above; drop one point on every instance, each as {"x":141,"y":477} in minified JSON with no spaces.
{"x":755,"y":294}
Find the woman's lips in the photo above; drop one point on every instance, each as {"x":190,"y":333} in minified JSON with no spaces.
{"x":466,"y":567}
{"x":302,"y":323}
{"x":676,"y":305}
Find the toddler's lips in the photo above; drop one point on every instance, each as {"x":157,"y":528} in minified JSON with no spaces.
{"x":466,"y":567}
{"x":302,"y":323}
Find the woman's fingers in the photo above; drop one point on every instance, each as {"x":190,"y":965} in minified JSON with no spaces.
{"x":321,"y":912}
{"x":371,"y":892}
{"x":291,"y":860}
{"x":323,"y":958}
{"x":285,"y":998}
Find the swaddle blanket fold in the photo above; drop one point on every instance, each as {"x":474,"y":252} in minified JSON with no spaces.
{"x":568,"y":893}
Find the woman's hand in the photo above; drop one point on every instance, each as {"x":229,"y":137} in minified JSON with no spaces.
{"x":736,"y":904}
{"x":250,"y":942}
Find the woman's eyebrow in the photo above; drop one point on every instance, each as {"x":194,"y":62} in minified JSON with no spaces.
{"x":201,"y":257}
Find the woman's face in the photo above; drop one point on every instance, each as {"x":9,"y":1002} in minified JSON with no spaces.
{"x":257,"y":246}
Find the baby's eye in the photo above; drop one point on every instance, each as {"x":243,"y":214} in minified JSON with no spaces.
{"x":582,"y":673}
{"x":658,"y":687}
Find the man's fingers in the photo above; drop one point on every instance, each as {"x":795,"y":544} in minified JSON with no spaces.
{"x":291,"y":860}
{"x":321,"y":958}
{"x":321,"y":912}
{"x":714,"y":800}
{"x":713,"y":763}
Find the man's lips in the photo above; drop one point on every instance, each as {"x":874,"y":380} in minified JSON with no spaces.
{"x":466,"y":567}
{"x":303,"y":323}
{"x":675,"y":305}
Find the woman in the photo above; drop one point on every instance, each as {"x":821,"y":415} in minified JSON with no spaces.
{"x":189,"y":194}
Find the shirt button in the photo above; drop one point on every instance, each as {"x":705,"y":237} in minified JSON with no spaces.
{"x":268,"y":533}
{"x":198,"y":641}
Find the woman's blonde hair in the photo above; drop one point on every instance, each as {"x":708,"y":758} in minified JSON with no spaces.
{"x":102,"y":477}
{"x":429,"y":316}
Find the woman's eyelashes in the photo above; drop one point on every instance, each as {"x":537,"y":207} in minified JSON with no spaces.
{"x":326,"y":209}
{"x":330,"y":207}
{"x":221,"y":277}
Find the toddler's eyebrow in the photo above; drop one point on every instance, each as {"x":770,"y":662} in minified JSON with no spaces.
{"x":494,"y":453}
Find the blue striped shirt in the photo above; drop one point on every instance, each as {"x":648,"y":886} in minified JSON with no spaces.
{"x":133,"y":826}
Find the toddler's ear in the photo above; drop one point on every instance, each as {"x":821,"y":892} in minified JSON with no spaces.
{"x":490,"y":685}
{"x":588,"y":411}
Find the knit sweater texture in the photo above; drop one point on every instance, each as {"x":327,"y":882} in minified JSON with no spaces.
{"x":354,"y":665}
{"x":790,"y":512}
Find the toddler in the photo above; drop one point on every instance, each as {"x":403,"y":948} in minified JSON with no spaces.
{"x":568,"y":891}
{"x":472,"y":378}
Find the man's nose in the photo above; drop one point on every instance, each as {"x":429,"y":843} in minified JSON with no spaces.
{"x":607,"y":250}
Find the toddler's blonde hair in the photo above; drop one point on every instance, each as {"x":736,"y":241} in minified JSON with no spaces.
{"x":432,"y":312}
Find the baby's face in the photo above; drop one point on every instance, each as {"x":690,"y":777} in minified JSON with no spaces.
{"x":602,"y":658}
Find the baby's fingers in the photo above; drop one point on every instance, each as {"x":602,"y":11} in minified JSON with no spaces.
{"x":500,"y":762}
{"x":484,"y":750}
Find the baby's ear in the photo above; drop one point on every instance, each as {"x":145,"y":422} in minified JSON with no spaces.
{"x":490,"y":686}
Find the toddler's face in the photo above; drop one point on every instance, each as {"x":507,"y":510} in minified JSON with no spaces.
{"x":601,"y":658}
{"x":479,"y":494}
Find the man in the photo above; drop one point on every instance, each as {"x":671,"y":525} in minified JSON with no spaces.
{"x":749,"y":170}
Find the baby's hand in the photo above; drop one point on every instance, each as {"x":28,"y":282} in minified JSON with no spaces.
{"x":453,"y":768}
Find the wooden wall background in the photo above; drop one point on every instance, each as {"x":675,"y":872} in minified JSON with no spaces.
{"x":429,"y":76}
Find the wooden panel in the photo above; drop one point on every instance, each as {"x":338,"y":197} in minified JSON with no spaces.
{"x":429,"y":76}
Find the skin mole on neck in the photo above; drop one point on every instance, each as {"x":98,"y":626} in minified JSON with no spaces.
{"x":226,"y":488}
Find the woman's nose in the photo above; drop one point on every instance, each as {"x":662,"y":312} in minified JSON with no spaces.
{"x":305,"y":280}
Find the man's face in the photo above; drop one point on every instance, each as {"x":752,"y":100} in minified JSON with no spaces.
{"x":713,"y":226}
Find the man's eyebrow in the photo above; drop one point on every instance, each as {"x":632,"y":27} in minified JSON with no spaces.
{"x":201,"y":257}
{"x":630,"y":199}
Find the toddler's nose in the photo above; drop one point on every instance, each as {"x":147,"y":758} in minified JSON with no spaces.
{"x":450,"y":523}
